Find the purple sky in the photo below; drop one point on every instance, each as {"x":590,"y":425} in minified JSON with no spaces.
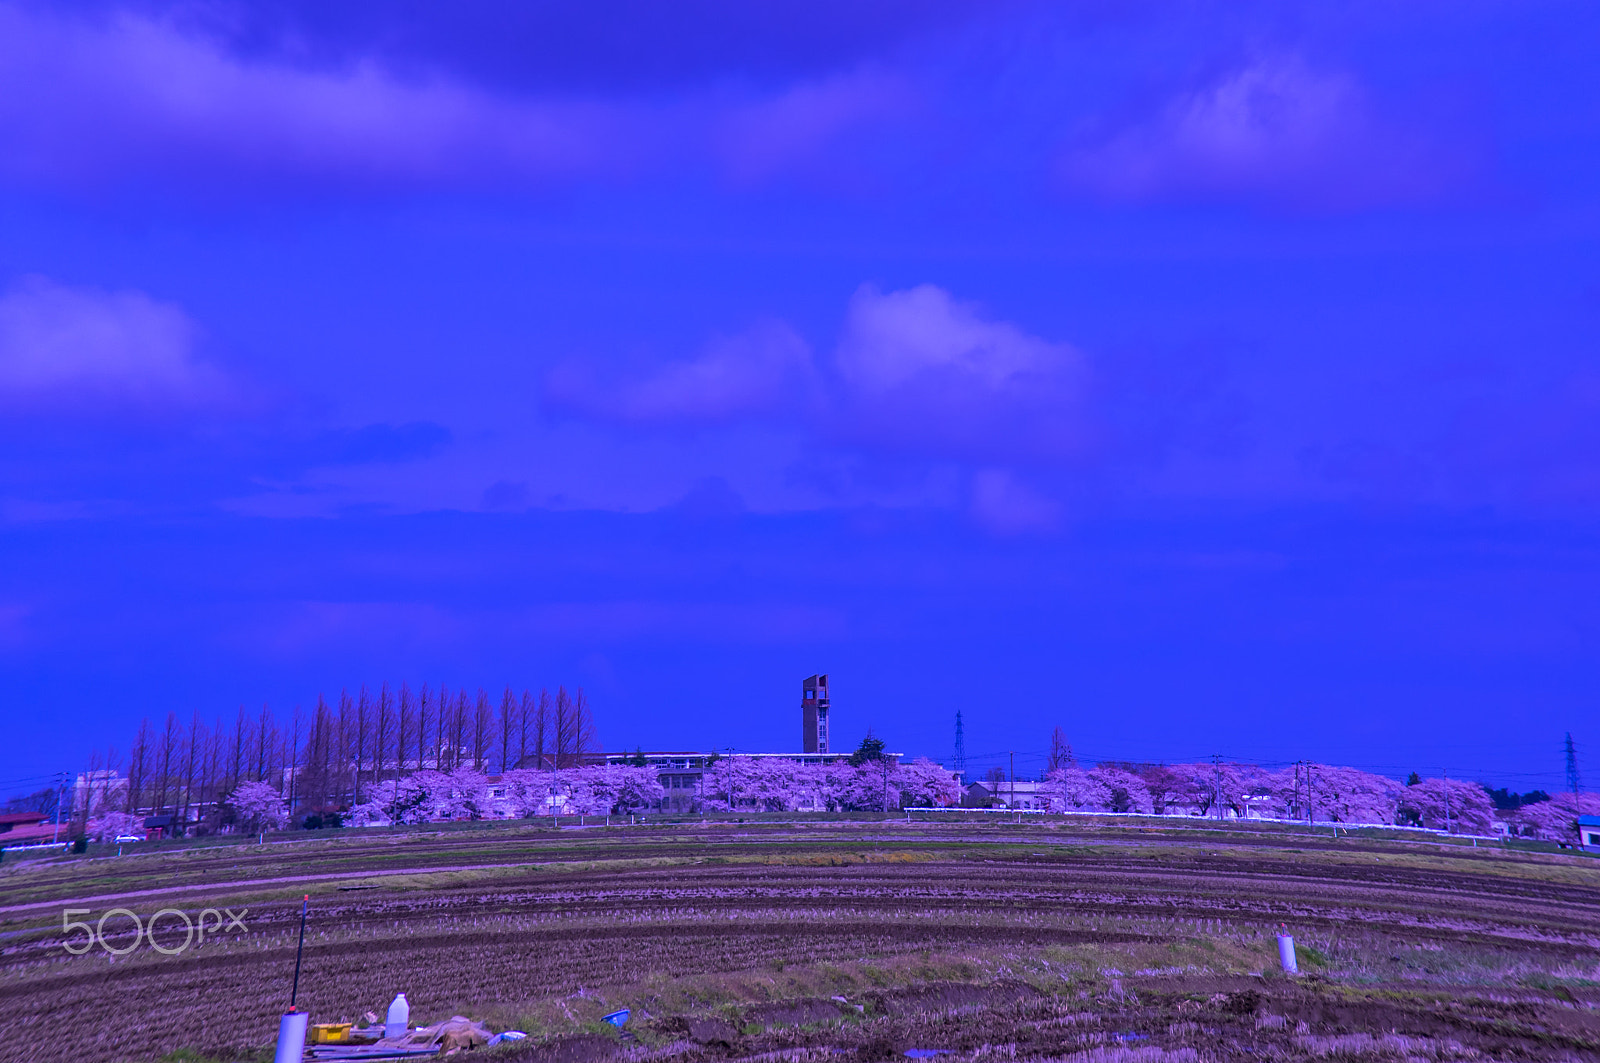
{"x":1203,"y":378}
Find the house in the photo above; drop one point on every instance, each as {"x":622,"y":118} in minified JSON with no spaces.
{"x":1589,"y":833}
{"x":26,"y":828}
{"x":165,"y":825}
{"x":682,"y":773}
{"x":1016,"y":794}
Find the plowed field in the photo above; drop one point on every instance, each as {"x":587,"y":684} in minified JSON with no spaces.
{"x":816,"y":940}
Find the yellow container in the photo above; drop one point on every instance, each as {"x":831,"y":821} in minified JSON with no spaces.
{"x":329,"y":1033}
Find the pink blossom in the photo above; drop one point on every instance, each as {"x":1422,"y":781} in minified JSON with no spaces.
{"x":258,"y":806}
{"x":1126,"y":792}
{"x":1555,"y":820}
{"x":1449,"y":804}
{"x":1075,"y":790}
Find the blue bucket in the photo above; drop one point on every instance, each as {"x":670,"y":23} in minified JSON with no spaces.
{"x":618,"y":1018}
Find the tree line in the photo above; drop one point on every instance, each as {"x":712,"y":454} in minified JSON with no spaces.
{"x":328,"y":758}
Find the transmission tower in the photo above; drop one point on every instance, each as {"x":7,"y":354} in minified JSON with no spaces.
{"x":960,"y":764}
{"x":1572,"y":766}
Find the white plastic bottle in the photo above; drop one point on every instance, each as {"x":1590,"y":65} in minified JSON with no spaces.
{"x":399,"y":1020}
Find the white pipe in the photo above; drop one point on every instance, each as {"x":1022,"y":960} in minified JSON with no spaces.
{"x":291,"y":1037}
{"x":1286,"y":954}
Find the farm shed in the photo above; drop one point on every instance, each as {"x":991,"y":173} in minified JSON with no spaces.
{"x":26,"y":828}
{"x":1024,"y":795}
{"x":1589,"y":833}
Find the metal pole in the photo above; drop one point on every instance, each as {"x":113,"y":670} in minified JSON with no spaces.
{"x":294,"y":994}
{"x":61,"y":795}
{"x":1311,"y":801}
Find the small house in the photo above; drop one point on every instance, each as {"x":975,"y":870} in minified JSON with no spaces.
{"x":26,"y":828}
{"x":1589,"y":833}
{"x":165,"y":825}
{"x":1020,"y":795}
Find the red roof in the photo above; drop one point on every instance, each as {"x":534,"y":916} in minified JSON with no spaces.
{"x":33,"y":834}
{"x":23,"y":817}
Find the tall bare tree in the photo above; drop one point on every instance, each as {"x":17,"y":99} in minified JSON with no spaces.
{"x":291,"y":762}
{"x":138,"y":766}
{"x":482,"y":730}
{"x":383,"y":725}
{"x":83,"y":801}
{"x":113,"y":762}
{"x":166,"y":760}
{"x":424,"y":716}
{"x":441,"y":729}
{"x":194,"y":754}
{"x":544,"y":729}
{"x":460,"y":715}
{"x":587,"y":739}
{"x":266,"y":735}
{"x":363,"y":721}
{"x":344,"y":748}
{"x":507,"y":729}
{"x":1060,"y":753}
{"x":405,"y":715}
{"x":573,"y":728}
{"x":524,"y":719}
{"x":238,"y":744}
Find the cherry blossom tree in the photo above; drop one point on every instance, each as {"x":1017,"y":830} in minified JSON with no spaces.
{"x":1165,"y":787}
{"x":1072,"y":789}
{"x":525,"y":792}
{"x":1196,"y":789}
{"x":1449,"y":804}
{"x":924,"y":784}
{"x":1126,"y":792}
{"x":113,"y":825}
{"x":462,"y":794}
{"x":1555,"y":820}
{"x":258,"y":806}
{"x":1331,"y":794}
{"x":607,"y":789}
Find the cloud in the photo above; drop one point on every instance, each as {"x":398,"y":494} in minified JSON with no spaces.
{"x":1004,"y":505}
{"x":916,"y":373}
{"x":80,"y":349}
{"x":1276,"y":129}
{"x":764,"y":370}
{"x":775,"y":135}
{"x":924,"y":372}
{"x":226,"y":102}
{"x":572,"y":46}
{"x":138,"y":97}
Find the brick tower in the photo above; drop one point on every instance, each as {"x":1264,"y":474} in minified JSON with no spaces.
{"x":814,"y":715}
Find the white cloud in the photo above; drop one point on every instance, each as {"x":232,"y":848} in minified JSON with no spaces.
{"x":67,"y":348}
{"x":923,"y":371}
{"x":764,"y":370}
{"x":1003,"y":504}
{"x":1277,"y":129}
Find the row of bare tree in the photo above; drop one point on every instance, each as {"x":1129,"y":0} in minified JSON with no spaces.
{"x":324,"y":759}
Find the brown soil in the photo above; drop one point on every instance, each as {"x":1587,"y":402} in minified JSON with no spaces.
{"x":936,"y":938}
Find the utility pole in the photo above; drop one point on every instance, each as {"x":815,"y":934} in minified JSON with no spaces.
{"x":1311,"y":801}
{"x":1216,"y":783}
{"x":61,"y":794}
{"x":1013,"y":780}
{"x":1446,"y":775}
